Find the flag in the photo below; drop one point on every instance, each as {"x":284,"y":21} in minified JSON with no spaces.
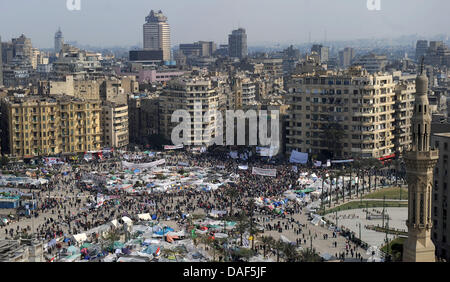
{"x":158,"y":251}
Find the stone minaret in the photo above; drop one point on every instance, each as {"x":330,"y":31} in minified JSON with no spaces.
{"x":420,"y":162}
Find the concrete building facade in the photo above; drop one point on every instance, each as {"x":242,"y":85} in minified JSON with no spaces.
{"x":439,"y":215}
{"x":115,"y":125}
{"x":42,"y":125}
{"x":357,"y":105}
{"x":237,"y":44}
{"x":185,"y":93}
{"x":157,"y":34}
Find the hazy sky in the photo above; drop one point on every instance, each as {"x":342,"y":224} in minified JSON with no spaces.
{"x":119,"y":22}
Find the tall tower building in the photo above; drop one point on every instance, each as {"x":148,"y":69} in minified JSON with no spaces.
{"x":420,"y":162}
{"x":237,"y":44}
{"x":157,"y":33}
{"x":346,"y":56}
{"x":59,"y":41}
{"x":421,"y":49}
{"x":323,"y":52}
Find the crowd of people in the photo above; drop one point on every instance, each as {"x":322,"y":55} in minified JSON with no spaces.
{"x":64,"y":206}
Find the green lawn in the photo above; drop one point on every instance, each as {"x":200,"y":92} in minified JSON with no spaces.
{"x":359,"y":205}
{"x":392,"y":193}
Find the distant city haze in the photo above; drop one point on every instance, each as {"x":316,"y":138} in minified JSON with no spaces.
{"x":119,"y":22}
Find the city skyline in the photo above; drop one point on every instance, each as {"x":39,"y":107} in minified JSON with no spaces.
{"x":297,"y":20}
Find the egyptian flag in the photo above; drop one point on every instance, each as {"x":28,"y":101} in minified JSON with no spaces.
{"x":53,"y":259}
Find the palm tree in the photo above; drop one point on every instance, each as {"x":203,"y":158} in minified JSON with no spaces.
{"x":323,"y":176}
{"x":279,"y":246}
{"x":331,"y":176}
{"x":373,"y":164}
{"x":291,"y":253}
{"x":357,"y":167}
{"x":309,"y":255}
{"x":253,"y":231}
{"x":242,"y":226}
{"x":267,"y":241}
{"x":332,"y":136}
{"x":232,"y":194}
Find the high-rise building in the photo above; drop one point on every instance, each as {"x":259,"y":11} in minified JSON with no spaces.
{"x":59,"y":41}
{"x":372,"y":63}
{"x":341,"y":114}
{"x":199,"y":49}
{"x":346,"y":56}
{"x":420,"y":162}
{"x":22,"y":48}
{"x":237,"y":44}
{"x":323,"y":52}
{"x":404,"y":105}
{"x":421,"y":49}
{"x":1,"y":63}
{"x":115,"y":125}
{"x":197,"y":96}
{"x":143,"y":114}
{"x":441,"y":194}
{"x":157,"y":34}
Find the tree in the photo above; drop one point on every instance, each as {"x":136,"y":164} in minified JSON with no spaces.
{"x":232,"y":193}
{"x":332,"y":135}
{"x":4,"y":160}
{"x":242,"y":226}
{"x":279,"y":247}
{"x":291,"y":253}
{"x":253,"y":231}
{"x":267,"y":241}
{"x":357,"y":166}
{"x":309,"y":255}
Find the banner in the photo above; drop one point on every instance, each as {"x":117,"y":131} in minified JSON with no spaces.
{"x":243,"y":167}
{"x":183,"y":164}
{"x":342,"y":161}
{"x":172,"y":147}
{"x":267,"y":151}
{"x":298,"y":157}
{"x":317,"y":163}
{"x":143,"y":165}
{"x":234,"y":154}
{"x":294,"y":168}
{"x":264,"y":172}
{"x":220,"y":166}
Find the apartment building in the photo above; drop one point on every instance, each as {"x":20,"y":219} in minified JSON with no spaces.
{"x":195,"y":95}
{"x":49,"y":125}
{"x":404,"y":105}
{"x":439,"y":215}
{"x":115,"y":125}
{"x":143,"y":115}
{"x":341,"y":114}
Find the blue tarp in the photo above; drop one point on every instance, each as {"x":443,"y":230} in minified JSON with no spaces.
{"x":164,"y":231}
{"x":151,"y":249}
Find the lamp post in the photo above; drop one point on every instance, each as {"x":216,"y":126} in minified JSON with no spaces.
{"x":384,"y":200}
{"x":360,"y":232}
{"x":336,"y":219}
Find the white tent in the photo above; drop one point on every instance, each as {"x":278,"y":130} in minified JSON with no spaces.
{"x":284,"y":239}
{"x":127,"y":220}
{"x":144,"y":216}
{"x":80,"y":238}
{"x":114,"y":223}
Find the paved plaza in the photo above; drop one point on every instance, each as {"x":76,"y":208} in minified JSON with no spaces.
{"x":352,"y":219}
